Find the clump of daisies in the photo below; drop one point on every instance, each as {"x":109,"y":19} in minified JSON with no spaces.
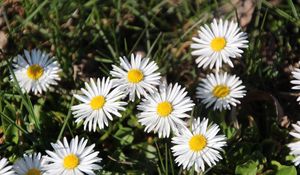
{"x":5,"y":169}
{"x":30,"y":164}
{"x":296,"y":81}
{"x":221,"y":91}
{"x":36,"y":72}
{"x":214,"y":46}
{"x":72,"y":158}
{"x":138,"y":77}
{"x":199,"y":147}
{"x":295,"y":146}
{"x":99,"y":103}
{"x":218,"y":43}
{"x":164,"y":111}
{"x":164,"y":108}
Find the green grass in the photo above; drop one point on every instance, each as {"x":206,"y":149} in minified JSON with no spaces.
{"x":87,"y":37}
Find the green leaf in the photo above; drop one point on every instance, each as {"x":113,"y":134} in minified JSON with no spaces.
{"x":125,"y":135}
{"x":248,"y":168}
{"x":284,"y":170}
{"x":230,"y":132}
{"x":151,"y":152}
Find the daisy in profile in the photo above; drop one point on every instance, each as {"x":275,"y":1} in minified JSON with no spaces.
{"x":5,"y":169}
{"x":218,"y":43}
{"x":36,"y":72}
{"x":220,"y":90}
{"x":296,"y":82}
{"x":29,"y":165}
{"x":200,"y":147}
{"x":99,"y":103}
{"x":74,"y":158}
{"x":295,"y":146}
{"x":137,"y":77}
{"x":164,"y":111}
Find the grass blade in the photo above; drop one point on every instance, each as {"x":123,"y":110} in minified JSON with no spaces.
{"x":34,"y":13}
{"x":25,"y":98}
{"x":295,"y":13}
{"x":66,"y":120}
{"x":5,"y":117}
{"x":154,"y":43}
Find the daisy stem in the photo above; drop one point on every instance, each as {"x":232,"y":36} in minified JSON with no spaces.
{"x":166,"y":158}
{"x":25,"y":98}
{"x":159,"y":156}
{"x":66,"y":120}
{"x":171,"y":162}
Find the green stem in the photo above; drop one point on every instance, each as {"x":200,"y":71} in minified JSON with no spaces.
{"x":159,"y":157}
{"x":166,"y":158}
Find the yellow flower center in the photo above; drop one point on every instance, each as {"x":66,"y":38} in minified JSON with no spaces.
{"x":164,"y":109}
{"x":71,"y":161}
{"x":97,"y":102}
{"x":135,"y":76}
{"x":218,"y":43}
{"x":197,"y":142}
{"x":33,"y":171}
{"x":35,"y":71}
{"x":221,"y":91}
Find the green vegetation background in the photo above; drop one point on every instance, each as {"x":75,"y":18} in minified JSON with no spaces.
{"x":88,"y":36}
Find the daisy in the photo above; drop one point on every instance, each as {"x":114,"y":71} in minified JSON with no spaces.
{"x":218,"y":43}
{"x":139,"y":76}
{"x":4,"y":168}
{"x":36,"y":71}
{"x":74,"y":158}
{"x":221,"y":91}
{"x":296,"y":82}
{"x":99,"y":102}
{"x":165,"y":110}
{"x":295,"y":146}
{"x":199,"y":147}
{"x":29,"y":165}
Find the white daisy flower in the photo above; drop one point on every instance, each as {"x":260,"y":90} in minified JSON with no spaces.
{"x":199,"y":147}
{"x":99,"y":102}
{"x":5,"y":169}
{"x":74,"y":158}
{"x":221,"y":91}
{"x":295,"y":146}
{"x":218,"y":43}
{"x":165,"y":110}
{"x":36,"y":71}
{"x":29,"y":165}
{"x":138,"y":77}
{"x":296,"y":82}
